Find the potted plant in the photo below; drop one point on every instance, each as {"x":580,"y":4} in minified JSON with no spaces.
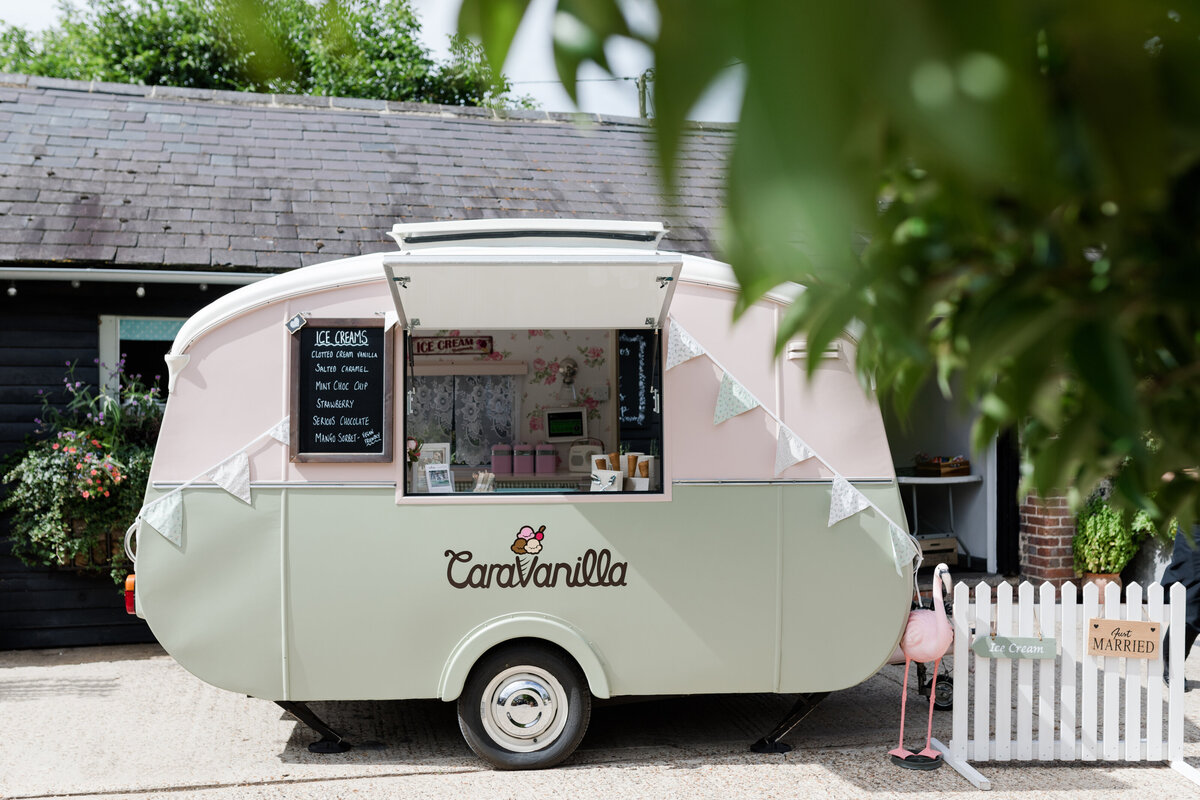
{"x":76,"y":487}
{"x":1106,"y":539}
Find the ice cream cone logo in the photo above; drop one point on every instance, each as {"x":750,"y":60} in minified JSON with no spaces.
{"x":529,"y":541}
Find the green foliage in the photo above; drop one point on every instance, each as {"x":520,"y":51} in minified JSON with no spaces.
{"x":74,"y":493}
{"x":1106,"y":538}
{"x":350,"y":48}
{"x":1027,"y":175}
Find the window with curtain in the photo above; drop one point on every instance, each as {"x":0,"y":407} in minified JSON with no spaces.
{"x":472,"y":412}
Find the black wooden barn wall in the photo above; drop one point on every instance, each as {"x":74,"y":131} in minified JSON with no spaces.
{"x":44,"y":326}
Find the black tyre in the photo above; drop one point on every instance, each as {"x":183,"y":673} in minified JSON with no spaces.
{"x":524,"y":707}
{"x":943,"y":694}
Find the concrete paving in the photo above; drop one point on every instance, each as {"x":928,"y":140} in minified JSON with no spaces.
{"x":128,"y":722}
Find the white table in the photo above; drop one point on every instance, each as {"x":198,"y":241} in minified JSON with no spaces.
{"x":949,"y":482}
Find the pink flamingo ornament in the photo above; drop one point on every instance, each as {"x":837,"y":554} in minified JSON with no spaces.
{"x":927,"y":637}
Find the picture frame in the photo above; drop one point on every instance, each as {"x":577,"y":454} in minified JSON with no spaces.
{"x":439,"y":478}
{"x":431,"y":453}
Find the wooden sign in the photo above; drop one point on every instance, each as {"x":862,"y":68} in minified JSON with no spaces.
{"x":341,"y":392}
{"x":1014,"y":647}
{"x":451,"y":345}
{"x":1124,"y":638}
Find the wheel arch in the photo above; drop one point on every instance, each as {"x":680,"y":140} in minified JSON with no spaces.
{"x":530,"y":626}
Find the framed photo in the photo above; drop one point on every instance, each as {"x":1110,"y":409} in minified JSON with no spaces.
{"x":439,"y":478}
{"x":431,"y":453}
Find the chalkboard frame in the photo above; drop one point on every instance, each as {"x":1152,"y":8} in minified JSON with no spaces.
{"x":388,"y":390}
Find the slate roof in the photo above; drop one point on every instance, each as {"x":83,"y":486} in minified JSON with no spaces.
{"x":100,"y":174}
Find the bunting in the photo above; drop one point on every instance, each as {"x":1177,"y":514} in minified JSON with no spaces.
{"x":681,"y":346}
{"x":233,"y":475}
{"x":904,"y":549}
{"x":789,"y":449}
{"x":282,"y":432}
{"x":847,"y":501}
{"x":165,"y":515}
{"x":733,"y":399}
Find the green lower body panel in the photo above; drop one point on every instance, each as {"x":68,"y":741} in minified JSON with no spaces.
{"x":317,"y":593}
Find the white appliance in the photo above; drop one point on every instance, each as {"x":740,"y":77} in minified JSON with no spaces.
{"x":579,"y":457}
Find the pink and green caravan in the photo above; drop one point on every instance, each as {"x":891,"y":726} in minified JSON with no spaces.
{"x":517,"y":464}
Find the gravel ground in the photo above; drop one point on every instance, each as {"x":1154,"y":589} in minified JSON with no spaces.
{"x":118,"y":722}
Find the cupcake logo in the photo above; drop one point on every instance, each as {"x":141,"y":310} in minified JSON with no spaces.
{"x":596,"y":568}
{"x":529,"y":541}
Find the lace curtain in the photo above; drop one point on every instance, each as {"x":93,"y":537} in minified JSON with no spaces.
{"x":473,"y":412}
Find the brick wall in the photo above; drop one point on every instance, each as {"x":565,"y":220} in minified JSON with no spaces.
{"x":1047,"y":526}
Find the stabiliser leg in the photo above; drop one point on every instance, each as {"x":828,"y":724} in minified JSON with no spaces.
{"x":330,"y":742}
{"x":804,"y":706}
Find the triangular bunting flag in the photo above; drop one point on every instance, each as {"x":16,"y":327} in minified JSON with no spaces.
{"x":165,"y":515}
{"x":282,"y":431}
{"x":233,"y":475}
{"x":847,"y":501}
{"x":789,"y":449}
{"x":733,"y":399}
{"x":903,"y":549}
{"x":681,"y":346}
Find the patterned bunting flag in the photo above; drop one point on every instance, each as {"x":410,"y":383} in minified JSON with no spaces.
{"x":282,"y":431}
{"x":789,"y":449}
{"x":681,"y":346}
{"x":847,"y":501}
{"x":165,"y":515}
{"x":903,"y":548}
{"x":233,"y":475}
{"x":733,"y":399}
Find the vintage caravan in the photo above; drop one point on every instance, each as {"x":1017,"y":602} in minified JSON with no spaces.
{"x":517,"y":464}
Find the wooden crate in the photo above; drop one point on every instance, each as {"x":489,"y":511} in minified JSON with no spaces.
{"x":939,"y":550}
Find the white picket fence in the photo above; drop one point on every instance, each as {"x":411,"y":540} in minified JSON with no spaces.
{"x":1070,"y":707}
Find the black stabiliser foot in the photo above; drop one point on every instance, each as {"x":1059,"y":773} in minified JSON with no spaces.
{"x":804,"y":706}
{"x":330,"y":742}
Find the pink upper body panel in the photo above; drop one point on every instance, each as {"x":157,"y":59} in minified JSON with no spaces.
{"x":235,"y":387}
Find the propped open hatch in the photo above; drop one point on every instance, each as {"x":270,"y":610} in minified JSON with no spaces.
{"x":547,"y":274}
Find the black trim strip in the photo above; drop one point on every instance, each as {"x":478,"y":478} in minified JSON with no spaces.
{"x":450,"y":237}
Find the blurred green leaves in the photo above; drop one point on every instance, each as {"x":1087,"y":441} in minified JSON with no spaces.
{"x":1026,"y":175}
{"x":353,"y":48}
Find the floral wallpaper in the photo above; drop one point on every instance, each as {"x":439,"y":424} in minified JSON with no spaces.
{"x":544,"y":352}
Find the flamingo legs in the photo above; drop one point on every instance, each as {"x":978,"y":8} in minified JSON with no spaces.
{"x":927,"y":758}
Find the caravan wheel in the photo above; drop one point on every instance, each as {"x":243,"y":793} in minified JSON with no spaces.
{"x":524,"y":707}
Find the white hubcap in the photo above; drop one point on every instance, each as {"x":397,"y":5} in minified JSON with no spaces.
{"x":524,"y":709}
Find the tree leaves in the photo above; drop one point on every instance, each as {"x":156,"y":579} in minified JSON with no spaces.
{"x":355,"y":48}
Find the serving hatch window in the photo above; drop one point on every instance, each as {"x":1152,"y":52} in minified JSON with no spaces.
{"x":535,"y":411}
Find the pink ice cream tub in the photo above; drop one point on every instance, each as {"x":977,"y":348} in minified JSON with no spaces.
{"x":523,"y":459}
{"x":502,"y":459}
{"x":547,"y":459}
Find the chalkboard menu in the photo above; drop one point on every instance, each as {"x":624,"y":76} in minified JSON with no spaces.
{"x":341,"y":393}
{"x":639,"y":379}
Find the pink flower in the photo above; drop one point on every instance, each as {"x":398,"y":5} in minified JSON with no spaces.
{"x":54,"y":447}
{"x":590,"y":403}
{"x":453,"y":333}
{"x":537,"y":333}
{"x":85,"y":494}
{"x":495,"y":356}
{"x":595,"y":352}
{"x":538,"y":364}
{"x":535,"y":423}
